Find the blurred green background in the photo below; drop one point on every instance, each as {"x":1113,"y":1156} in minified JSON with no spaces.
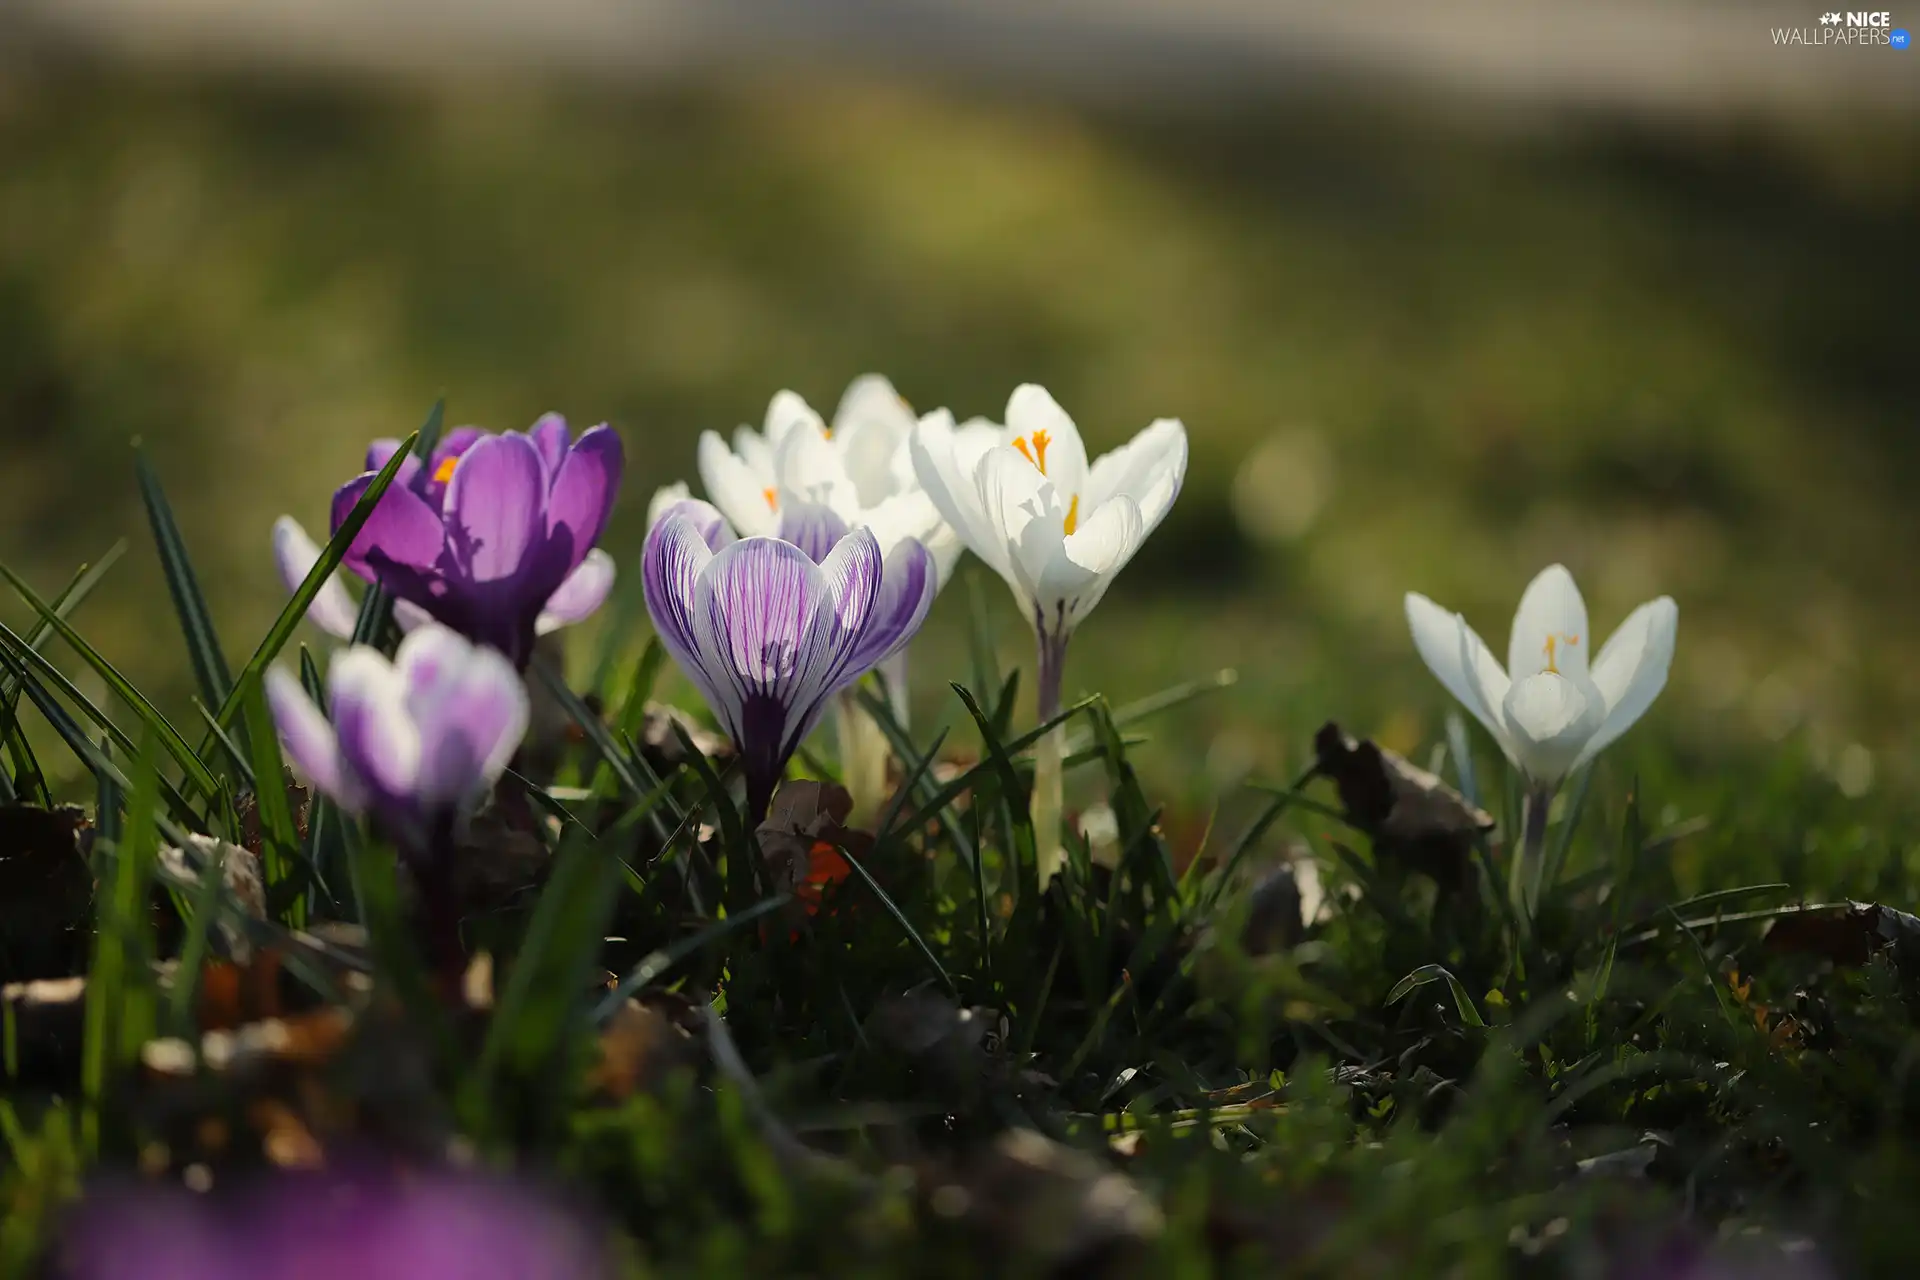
{"x":1418,"y":343}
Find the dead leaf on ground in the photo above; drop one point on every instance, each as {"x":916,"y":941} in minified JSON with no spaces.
{"x":1849,"y":934}
{"x":641,"y":1045}
{"x":1414,"y":817}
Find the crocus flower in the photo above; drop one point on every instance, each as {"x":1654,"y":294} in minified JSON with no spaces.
{"x":295,"y":1227}
{"x":493,"y":537}
{"x":412,"y":742}
{"x":770,"y":628}
{"x":1025,"y":500}
{"x":1549,"y":709}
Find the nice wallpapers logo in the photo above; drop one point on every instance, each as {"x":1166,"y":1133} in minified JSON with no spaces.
{"x":1848,"y":30}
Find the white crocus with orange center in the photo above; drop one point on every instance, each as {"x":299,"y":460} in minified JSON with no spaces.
{"x":1058,"y":530}
{"x":1550,"y":709}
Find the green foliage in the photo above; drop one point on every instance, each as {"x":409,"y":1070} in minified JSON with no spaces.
{"x":1400,"y":1078}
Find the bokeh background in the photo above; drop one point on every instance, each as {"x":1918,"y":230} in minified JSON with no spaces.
{"x":1441,"y":297}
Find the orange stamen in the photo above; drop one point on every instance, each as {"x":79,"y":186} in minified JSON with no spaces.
{"x":1553,"y":644}
{"x":772,"y":497}
{"x":1037,"y":455}
{"x":1073,"y":514}
{"x":444,"y":472}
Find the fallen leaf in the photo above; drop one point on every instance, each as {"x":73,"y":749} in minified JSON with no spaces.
{"x":1414,"y":818}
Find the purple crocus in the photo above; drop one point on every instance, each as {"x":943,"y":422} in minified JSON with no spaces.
{"x":494,"y":536}
{"x":295,"y":1227}
{"x":413,"y":743}
{"x":770,"y":628}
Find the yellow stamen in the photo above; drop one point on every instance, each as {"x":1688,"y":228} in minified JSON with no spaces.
{"x":1073,"y":514}
{"x":444,"y":472}
{"x":1553,"y":644}
{"x":772,"y":497}
{"x":1037,"y":455}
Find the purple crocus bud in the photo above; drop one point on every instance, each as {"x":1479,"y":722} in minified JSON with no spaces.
{"x":436,"y":1227}
{"x":412,"y":742}
{"x":770,"y":628}
{"x":495,"y":535}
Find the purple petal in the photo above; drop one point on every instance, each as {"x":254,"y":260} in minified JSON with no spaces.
{"x":309,"y":741}
{"x":908,"y":584}
{"x":583,"y":491}
{"x":811,"y":526}
{"x":380,"y":450}
{"x":378,"y":742}
{"x":706,"y":518}
{"x":761,"y":610}
{"x":675,"y":557}
{"x":147,"y":1233}
{"x":445,"y":458}
{"x":332,"y":610}
{"x":403,"y":533}
{"x":494,"y":508}
{"x":585,"y":590}
{"x":852,"y":576}
{"x":550,"y":436}
{"x":469,"y":708}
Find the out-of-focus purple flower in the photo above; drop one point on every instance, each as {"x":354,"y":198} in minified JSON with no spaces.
{"x":411,"y":742}
{"x":494,"y":536}
{"x":437,"y":1227}
{"x":770,"y":628}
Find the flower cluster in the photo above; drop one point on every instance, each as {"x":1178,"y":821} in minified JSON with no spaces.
{"x":814,"y":561}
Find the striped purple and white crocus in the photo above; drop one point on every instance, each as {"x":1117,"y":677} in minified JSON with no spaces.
{"x":493,"y":536}
{"x":769,"y":628}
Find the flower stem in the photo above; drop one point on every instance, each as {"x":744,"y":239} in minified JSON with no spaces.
{"x":863,"y":758}
{"x":433,"y":876}
{"x":1523,"y":876}
{"x":1049,"y":753}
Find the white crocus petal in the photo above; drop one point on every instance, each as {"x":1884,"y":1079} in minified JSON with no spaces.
{"x":1042,"y":431}
{"x":913,"y":515}
{"x":1549,"y":628}
{"x":949,"y":483}
{"x":332,"y":610}
{"x":806,"y":463}
{"x":1442,"y":640}
{"x":745,"y":496}
{"x":869,"y":429}
{"x":1099,"y":547}
{"x":581,"y":593}
{"x":1025,"y":512}
{"x":1632,"y":669}
{"x":1550,"y":718}
{"x":1148,"y":468}
{"x":665,"y":498}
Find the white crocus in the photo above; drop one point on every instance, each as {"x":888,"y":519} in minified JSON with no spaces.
{"x":741,"y":480}
{"x":1550,"y":709}
{"x":1023,"y":498}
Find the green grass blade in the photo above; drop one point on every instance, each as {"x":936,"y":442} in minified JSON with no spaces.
{"x":280,"y":859}
{"x":1462,"y":1002}
{"x":65,"y":603}
{"x":196,"y":621}
{"x":296,"y":607}
{"x":906,"y":925}
{"x":196,"y":773}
